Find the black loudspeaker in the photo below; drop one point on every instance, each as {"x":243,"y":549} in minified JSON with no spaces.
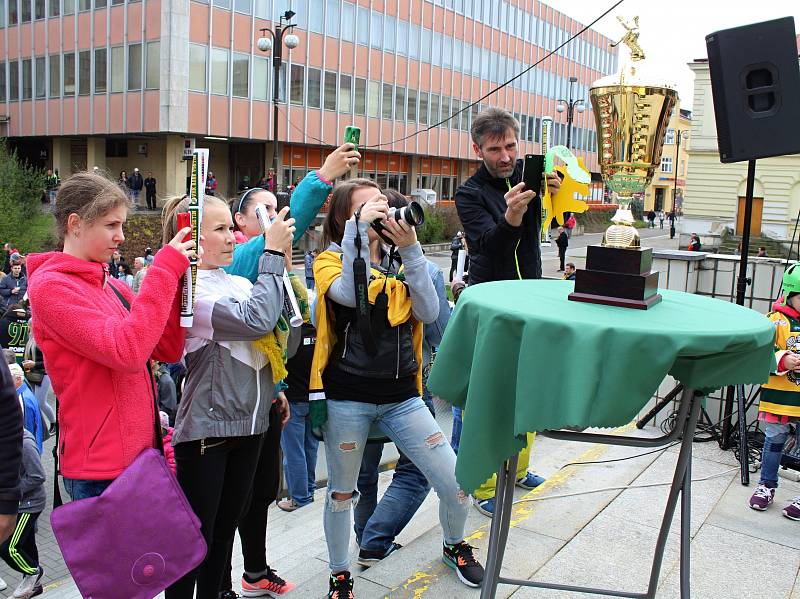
{"x":755,"y":78}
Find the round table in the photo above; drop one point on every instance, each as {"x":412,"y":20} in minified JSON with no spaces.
{"x":520,"y":357}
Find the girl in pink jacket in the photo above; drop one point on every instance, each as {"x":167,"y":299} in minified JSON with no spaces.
{"x":96,"y":351}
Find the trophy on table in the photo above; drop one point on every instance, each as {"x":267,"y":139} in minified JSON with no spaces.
{"x":632,"y":113}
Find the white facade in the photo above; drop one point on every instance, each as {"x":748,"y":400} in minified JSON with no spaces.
{"x":713,"y":189}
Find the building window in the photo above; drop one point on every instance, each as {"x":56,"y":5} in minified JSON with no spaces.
{"x":282,"y":82}
{"x":99,"y":4}
{"x":116,"y":148}
{"x":55,"y":75}
{"x":153,"y":66}
{"x":376,"y":30}
{"x":134,"y":67}
{"x":345,"y":93}
{"x":84,"y":5}
{"x":400,"y":103}
{"x":297,"y":85}
{"x":332,"y":18}
{"x":38,"y":9}
{"x":3,"y":95}
{"x":68,"y":7}
{"x":241,"y":70}
{"x":670,"y":137}
{"x":329,"y":100}
{"x":360,"y":96}
{"x":362,"y":26}
{"x":261,"y":90}
{"x":244,"y":6}
{"x":374,"y":99}
{"x":118,"y":69}
{"x":683,"y":168}
{"x":197,"y":67}
{"x":53,"y":8}
{"x":348,"y":22}
{"x":40,"y":77}
{"x":27,"y":79}
{"x":666,"y":164}
{"x":226,"y":4}
{"x":412,"y":106}
{"x":69,"y":74}
{"x":388,"y":100}
{"x":25,"y":11}
{"x":423,"y":108}
{"x":314,"y":82}
{"x":219,"y":71}
{"x":100,"y":70}
{"x":13,"y":81}
{"x":84,"y":72}
{"x":434,"y":109}
{"x":113,"y":2}
{"x":12,"y":12}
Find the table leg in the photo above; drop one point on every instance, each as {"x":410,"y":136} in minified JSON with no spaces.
{"x":679,"y":480}
{"x":686,"y":528}
{"x":504,"y":497}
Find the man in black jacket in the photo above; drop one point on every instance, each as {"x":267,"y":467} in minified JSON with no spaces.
{"x":10,"y":453}
{"x":502,"y":234}
{"x":562,"y":241}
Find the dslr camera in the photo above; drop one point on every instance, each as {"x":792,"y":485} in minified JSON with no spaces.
{"x":413,"y":214}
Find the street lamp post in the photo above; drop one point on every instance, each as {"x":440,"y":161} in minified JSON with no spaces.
{"x":679,"y":134}
{"x":275,"y":43}
{"x":570,"y":106}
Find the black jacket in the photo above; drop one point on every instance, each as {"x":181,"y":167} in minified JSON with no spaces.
{"x":10,"y":444}
{"x":495,"y":247}
{"x":562,"y":241}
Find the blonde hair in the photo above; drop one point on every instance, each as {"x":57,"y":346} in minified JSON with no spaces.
{"x":175,"y":205}
{"x":90,"y":196}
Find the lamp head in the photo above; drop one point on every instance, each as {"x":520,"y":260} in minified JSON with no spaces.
{"x":292,"y":41}
{"x":560,"y":108}
{"x":264,"y":44}
{"x":289,"y":15}
{"x":580,"y":107}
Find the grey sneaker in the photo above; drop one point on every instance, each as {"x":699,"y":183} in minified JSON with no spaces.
{"x":31,"y":585}
{"x":762,"y":498}
{"x":3,"y":585}
{"x":792,"y":511}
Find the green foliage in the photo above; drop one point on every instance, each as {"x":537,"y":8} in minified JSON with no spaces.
{"x":433,"y":230}
{"x":22,"y":222}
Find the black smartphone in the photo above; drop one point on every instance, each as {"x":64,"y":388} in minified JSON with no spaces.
{"x":533,"y":172}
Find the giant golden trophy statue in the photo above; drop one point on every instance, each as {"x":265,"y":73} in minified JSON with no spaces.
{"x":632,"y":110}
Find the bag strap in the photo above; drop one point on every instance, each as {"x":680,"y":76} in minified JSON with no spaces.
{"x":57,"y":499}
{"x":156,"y":420}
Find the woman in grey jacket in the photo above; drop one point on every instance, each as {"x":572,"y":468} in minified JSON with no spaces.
{"x":229,"y":384}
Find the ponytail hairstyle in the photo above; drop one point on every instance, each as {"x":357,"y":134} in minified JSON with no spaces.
{"x":339,"y":209}
{"x":90,"y":196}
{"x":169,"y":214}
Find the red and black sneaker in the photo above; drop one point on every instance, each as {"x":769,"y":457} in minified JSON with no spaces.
{"x":341,"y":586}
{"x":461,"y":558}
{"x":266,"y":585}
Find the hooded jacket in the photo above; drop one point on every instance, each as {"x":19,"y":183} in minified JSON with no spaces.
{"x":96,"y":353}
{"x":10,"y":444}
{"x":498,"y":251}
{"x":31,"y":477}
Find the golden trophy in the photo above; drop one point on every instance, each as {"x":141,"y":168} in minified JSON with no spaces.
{"x":632,"y":113}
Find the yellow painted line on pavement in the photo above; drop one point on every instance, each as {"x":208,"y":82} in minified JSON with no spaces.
{"x":421,"y":581}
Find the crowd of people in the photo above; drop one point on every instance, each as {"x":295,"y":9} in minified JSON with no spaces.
{"x":242,"y":395}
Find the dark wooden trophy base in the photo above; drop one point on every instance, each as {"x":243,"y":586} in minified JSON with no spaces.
{"x":617,"y":277}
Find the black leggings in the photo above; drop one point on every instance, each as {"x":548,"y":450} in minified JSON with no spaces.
{"x":19,"y":550}
{"x":253,"y":523}
{"x":217,"y":476}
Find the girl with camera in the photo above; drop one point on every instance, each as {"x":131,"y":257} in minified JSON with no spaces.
{"x":367,"y":370}
{"x":223,"y":414}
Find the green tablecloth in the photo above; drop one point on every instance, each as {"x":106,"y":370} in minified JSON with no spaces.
{"x":519,"y":357}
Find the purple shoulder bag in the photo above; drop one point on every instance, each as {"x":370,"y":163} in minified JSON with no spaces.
{"x":135,"y":539}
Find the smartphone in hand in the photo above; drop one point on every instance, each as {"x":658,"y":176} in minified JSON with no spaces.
{"x":533,"y":172}
{"x":352,"y":135}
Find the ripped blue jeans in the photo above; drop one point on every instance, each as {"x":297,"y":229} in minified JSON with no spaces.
{"x":415,"y":432}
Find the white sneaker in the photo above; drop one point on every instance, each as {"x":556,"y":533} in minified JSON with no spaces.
{"x":3,"y":585}
{"x":30,"y":586}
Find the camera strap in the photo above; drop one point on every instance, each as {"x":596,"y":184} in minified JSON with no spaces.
{"x":363,"y":312}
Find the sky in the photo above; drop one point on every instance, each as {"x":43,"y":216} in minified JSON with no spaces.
{"x":672,"y":34}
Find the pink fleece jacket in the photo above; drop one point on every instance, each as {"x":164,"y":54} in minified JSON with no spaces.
{"x":96,"y":353}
